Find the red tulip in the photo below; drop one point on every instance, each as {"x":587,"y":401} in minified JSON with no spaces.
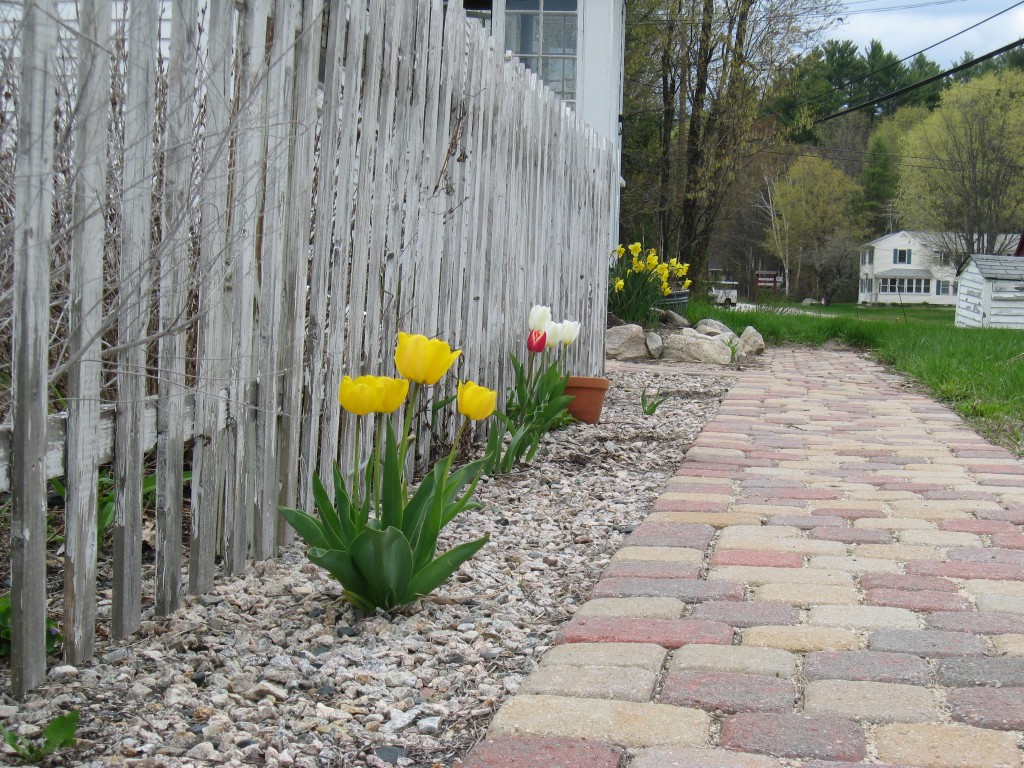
{"x":537,"y":341}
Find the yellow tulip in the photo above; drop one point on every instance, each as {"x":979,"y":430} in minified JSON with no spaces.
{"x":372,"y":394}
{"x":635,"y":249}
{"x":619,"y":285}
{"x":423,"y":360}
{"x":476,"y":402}
{"x":620,"y":251}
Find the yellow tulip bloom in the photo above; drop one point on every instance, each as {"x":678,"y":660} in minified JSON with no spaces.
{"x":372,"y":394}
{"x":620,"y":251}
{"x":423,"y":360}
{"x":635,"y":249}
{"x":476,"y":402}
{"x":619,"y":285}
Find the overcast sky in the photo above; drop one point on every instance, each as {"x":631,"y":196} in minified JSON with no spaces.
{"x":910,"y":29}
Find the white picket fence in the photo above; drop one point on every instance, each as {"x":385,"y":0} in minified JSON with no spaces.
{"x":452,"y":192}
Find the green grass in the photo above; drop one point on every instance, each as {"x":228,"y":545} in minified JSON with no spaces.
{"x":907,"y":312}
{"x":980,"y":372}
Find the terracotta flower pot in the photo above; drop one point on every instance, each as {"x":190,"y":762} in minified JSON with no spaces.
{"x":588,"y":397}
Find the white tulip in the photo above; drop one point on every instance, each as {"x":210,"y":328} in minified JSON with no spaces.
{"x":554,"y":332}
{"x":570,"y":331}
{"x":540,"y":316}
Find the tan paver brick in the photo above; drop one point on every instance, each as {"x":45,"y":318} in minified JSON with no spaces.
{"x":854,"y":564}
{"x":620,"y":683}
{"x":762,"y":531}
{"x":1009,"y":645}
{"x":1003,"y":603}
{"x":684,"y":496}
{"x":628,"y":724}
{"x":863,"y":617}
{"x":947,"y":746}
{"x":690,"y":757}
{"x":994,"y":587}
{"x":921,"y":506}
{"x":658,"y":554}
{"x":717,"y":519}
{"x":644,"y":655}
{"x":774,"y":662}
{"x":801,"y":639}
{"x":639,"y":607}
{"x":804,"y":595}
{"x":752,"y":574}
{"x":897,"y":552}
{"x":893,"y":523}
{"x":793,"y":545}
{"x":874,"y":702}
{"x":940,"y":538}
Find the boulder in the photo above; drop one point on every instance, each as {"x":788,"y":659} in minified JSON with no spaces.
{"x":751,"y":342}
{"x":709,"y":327}
{"x":655,"y":345}
{"x":670,"y":319}
{"x":692,"y":347}
{"x":625,"y":342}
{"x":809,"y":302}
{"x":613,"y":322}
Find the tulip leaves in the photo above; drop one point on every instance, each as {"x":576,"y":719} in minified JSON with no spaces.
{"x":390,"y":558}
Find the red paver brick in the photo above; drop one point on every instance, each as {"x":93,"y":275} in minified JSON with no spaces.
{"x":921,"y":600}
{"x":977,"y":526}
{"x":754,"y":557}
{"x":900,"y":581}
{"x":815,"y":494}
{"x":849,"y":514}
{"x":687,"y":590}
{"x":806,"y":522}
{"x":999,"y":671}
{"x":738,"y":613}
{"x":933,"y":643}
{"x":999,"y":708}
{"x":794,"y":736}
{"x":1013,"y":515}
{"x":833,"y":764}
{"x":996,"y":469}
{"x":670,"y":535}
{"x":651,"y":569}
{"x":870,"y":666}
{"x":551,"y":753}
{"x":852,"y":535}
{"x":670,"y":633}
{"x":686,"y":505}
{"x":997,"y":571}
{"x":729,"y":692}
{"x":1008,"y":540}
{"x":985,"y":555}
{"x":982,"y":623}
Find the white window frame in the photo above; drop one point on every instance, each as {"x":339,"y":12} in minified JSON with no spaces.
{"x":538,"y":58}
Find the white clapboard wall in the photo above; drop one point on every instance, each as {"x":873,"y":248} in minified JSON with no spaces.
{"x":428,"y":184}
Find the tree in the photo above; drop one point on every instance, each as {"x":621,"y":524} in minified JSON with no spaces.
{"x":810,"y":216}
{"x":962,"y":175}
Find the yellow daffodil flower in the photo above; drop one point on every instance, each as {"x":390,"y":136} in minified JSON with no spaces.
{"x":638,"y":266}
{"x":665,"y":289}
{"x":652,"y":260}
{"x":635,"y":248}
{"x":686,"y":268}
{"x":662,"y":269}
{"x":372,"y":394}
{"x":619,"y":285}
{"x":423,"y":360}
{"x":476,"y":402}
{"x":620,"y":251}
{"x":652,"y":252}
{"x":687,"y":284}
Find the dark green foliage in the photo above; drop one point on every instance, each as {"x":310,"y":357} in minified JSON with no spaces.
{"x":53,"y":635}
{"x":58,"y":733}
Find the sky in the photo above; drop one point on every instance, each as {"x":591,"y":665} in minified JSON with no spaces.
{"x":910,"y":29}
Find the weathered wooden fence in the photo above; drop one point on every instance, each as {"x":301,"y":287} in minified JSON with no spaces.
{"x":270,"y":237}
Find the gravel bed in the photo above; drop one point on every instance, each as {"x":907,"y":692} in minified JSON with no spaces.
{"x":277,"y":669}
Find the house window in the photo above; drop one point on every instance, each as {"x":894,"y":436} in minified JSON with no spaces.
{"x":944,"y":259}
{"x":942,"y":287}
{"x":542,"y":33}
{"x":865,"y":285}
{"x":904,"y":285}
{"x":479,"y":10}
{"x":900,"y":255}
{"x":956,"y":286}
{"x":866,"y":258}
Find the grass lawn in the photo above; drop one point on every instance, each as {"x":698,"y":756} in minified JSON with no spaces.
{"x":979,"y":371}
{"x":908,"y":313}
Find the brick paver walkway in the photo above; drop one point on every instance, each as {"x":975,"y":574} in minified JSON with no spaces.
{"x":834,"y":577}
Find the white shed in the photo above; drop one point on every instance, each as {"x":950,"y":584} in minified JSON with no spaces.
{"x":991,"y":292}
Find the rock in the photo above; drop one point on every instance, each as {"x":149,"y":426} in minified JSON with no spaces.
{"x":625,"y":342}
{"x":429,"y":725}
{"x":751,"y":342}
{"x":612,"y":321}
{"x":8,"y":711}
{"x":204,"y":750}
{"x":64,"y":671}
{"x":695,"y":348}
{"x":398,"y":720}
{"x":809,"y":302}
{"x":655,"y":345}
{"x":390,"y":754}
{"x":709,"y":327}
{"x":673,"y":320}
{"x":266,"y":688}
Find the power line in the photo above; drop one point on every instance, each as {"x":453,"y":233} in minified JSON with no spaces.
{"x":921,"y":83}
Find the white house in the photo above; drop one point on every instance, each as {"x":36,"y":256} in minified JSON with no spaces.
{"x":991,"y":292}
{"x":910,"y":267}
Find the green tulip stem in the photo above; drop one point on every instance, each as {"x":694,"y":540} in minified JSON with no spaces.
{"x":455,"y":445}
{"x":355,"y":470}
{"x":406,"y":429}
{"x":379,"y":427}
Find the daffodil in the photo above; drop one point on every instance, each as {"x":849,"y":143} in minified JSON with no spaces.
{"x":652,"y":260}
{"x":665,"y":289}
{"x":687,"y":284}
{"x":620,"y":251}
{"x":635,"y":248}
{"x":619,"y":284}
{"x":652,"y":252}
{"x":372,"y":394}
{"x":476,"y":402}
{"x":540,"y":316}
{"x":570,"y":331}
{"x":638,"y":266}
{"x":662,"y":270}
{"x":686,"y":268}
{"x":423,"y":360}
